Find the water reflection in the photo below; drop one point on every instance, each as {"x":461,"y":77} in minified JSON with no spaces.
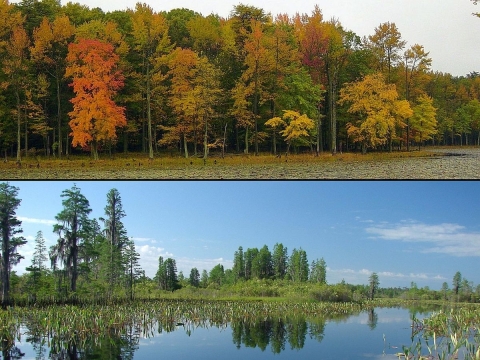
{"x":272,"y":335}
{"x":372,"y":318}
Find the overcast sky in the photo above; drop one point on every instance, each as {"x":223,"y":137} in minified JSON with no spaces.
{"x":445,"y":28}
{"x":405,"y":231}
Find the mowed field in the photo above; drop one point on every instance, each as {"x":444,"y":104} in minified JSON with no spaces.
{"x":433,"y":163}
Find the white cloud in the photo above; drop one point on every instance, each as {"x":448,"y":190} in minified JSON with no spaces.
{"x":445,"y":238}
{"x":361,"y":276}
{"x":36,"y":221}
{"x":186,"y":264}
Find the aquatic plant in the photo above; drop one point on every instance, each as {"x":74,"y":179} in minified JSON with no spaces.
{"x":451,"y":334}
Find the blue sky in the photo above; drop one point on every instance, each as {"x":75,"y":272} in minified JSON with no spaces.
{"x":404,"y":231}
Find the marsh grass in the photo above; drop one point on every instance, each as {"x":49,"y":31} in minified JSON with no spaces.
{"x":446,"y":334}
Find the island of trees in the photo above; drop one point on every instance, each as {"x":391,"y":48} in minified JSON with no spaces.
{"x":77,"y":79}
{"x":93,"y":260}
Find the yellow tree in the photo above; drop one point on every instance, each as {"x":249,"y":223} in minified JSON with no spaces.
{"x":423,"y":122}
{"x":377,"y":108}
{"x":93,"y":65}
{"x":49,"y":50}
{"x":416,"y":63}
{"x":259,"y":65}
{"x":15,"y":67}
{"x":386,"y":45}
{"x":182,"y":71}
{"x":275,"y":123}
{"x":150,"y":36}
{"x":297,"y":130}
{"x":207,"y":94}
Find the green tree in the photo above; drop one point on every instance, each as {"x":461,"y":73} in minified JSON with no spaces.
{"x":160,"y":276}
{"x":9,"y":229}
{"x":262,"y":264}
{"x":279,"y":261}
{"x":373,"y":284}
{"x":38,"y":267}
{"x":171,"y":274}
{"x":249,"y":256}
{"x":318,"y":271}
{"x":115,"y":236}
{"x":217,"y":275}
{"x":298,"y":266}
{"x":238,"y":264}
{"x":72,"y":228}
{"x":204,"y":279}
{"x":445,"y":290}
{"x":167,"y":274}
{"x":194,"y":278}
{"x":457,"y":282}
{"x":132,"y":266}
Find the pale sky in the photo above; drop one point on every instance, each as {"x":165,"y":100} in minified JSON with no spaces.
{"x":445,"y":28}
{"x":422,"y":231}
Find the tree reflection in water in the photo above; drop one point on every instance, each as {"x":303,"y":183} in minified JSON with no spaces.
{"x":121,"y":343}
{"x":276,"y":332}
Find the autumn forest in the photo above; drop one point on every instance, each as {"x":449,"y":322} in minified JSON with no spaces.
{"x":75,"y":79}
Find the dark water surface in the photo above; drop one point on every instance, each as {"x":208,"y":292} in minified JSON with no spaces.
{"x":372,"y":334}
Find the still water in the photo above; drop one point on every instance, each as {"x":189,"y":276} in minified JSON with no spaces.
{"x":373,"y":334}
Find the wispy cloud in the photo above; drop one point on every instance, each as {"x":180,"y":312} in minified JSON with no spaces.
{"x":36,"y":221}
{"x":149,"y":255}
{"x":446,"y":238}
{"x":361,"y":276}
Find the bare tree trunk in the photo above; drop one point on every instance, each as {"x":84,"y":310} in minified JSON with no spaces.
{"x":185,"y":145}
{"x":19,"y":120}
{"x":149,"y":115}
{"x":59,"y":115}
{"x":205,"y":139}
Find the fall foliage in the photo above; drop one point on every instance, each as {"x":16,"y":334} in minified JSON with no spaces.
{"x":378,"y":112}
{"x":95,"y":116}
{"x":193,"y":84}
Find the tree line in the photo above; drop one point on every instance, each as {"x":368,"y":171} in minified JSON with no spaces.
{"x":75,"y":78}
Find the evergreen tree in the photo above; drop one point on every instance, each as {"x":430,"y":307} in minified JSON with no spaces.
{"x":279,"y":261}
{"x":9,"y":228}
{"x":217,"y":275}
{"x":445,"y":290}
{"x":72,"y":228}
{"x":166,"y":276}
{"x":160,"y":275}
{"x":457,"y":282}
{"x":204,"y":279}
{"x":115,"y":236}
{"x":262,"y":264}
{"x":171,"y":274}
{"x":374,"y":284}
{"x":194,"y":278}
{"x":132,"y":267}
{"x":249,"y":257}
{"x":318,"y":272}
{"x":238,"y":264}
{"x":38,"y":267}
{"x":298,"y":266}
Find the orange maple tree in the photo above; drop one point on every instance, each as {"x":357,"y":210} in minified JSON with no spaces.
{"x":96,"y":80}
